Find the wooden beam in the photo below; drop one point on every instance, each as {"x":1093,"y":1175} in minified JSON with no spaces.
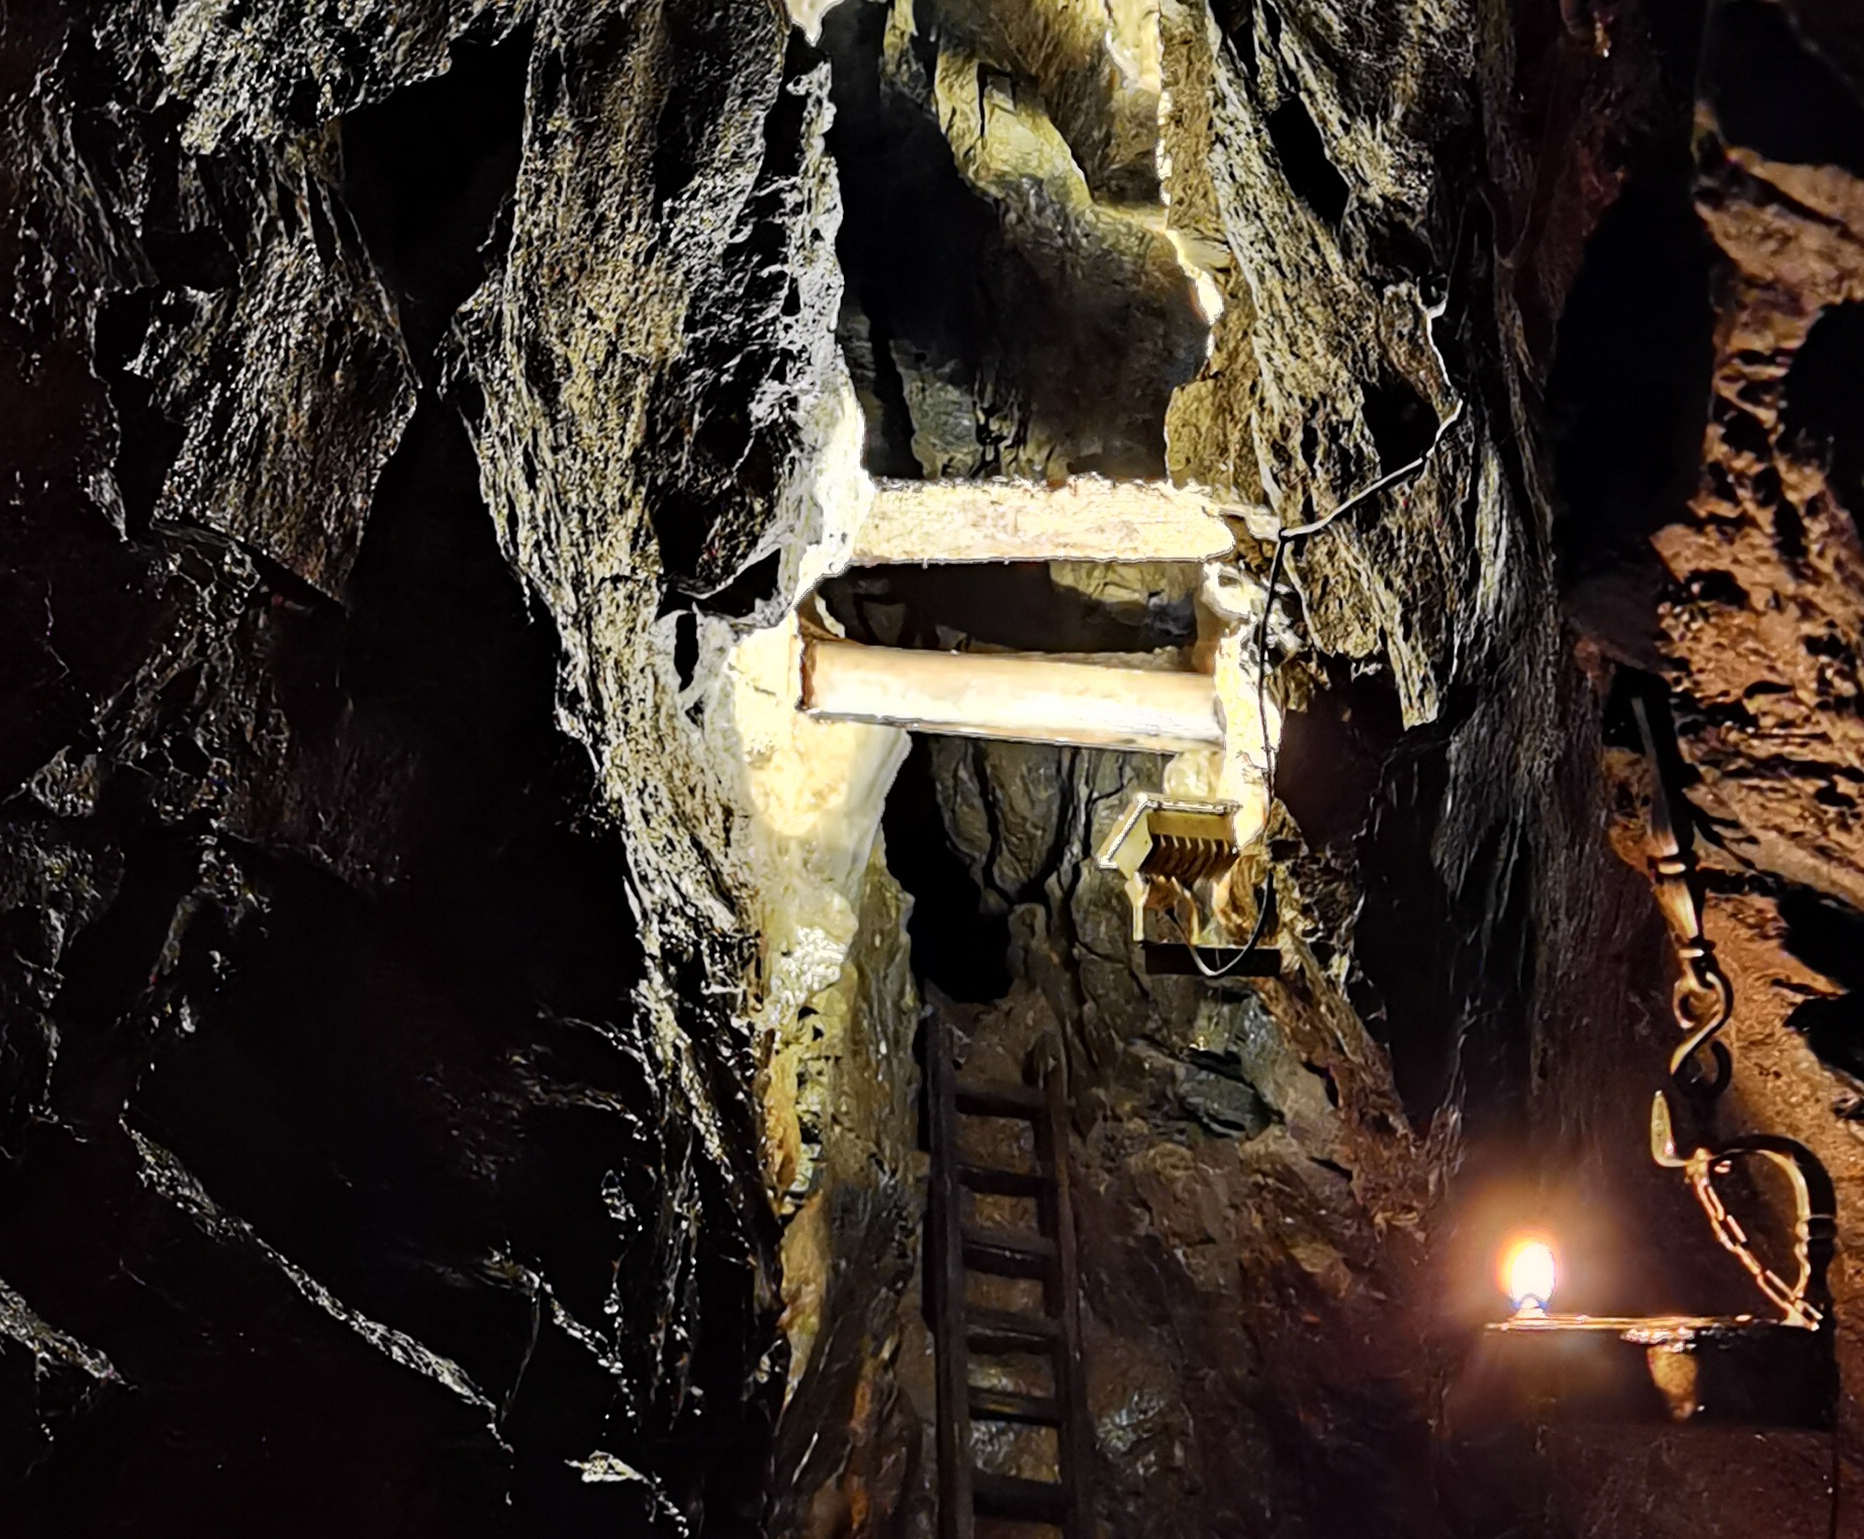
{"x":1020,"y":696}
{"x":1085,"y":519}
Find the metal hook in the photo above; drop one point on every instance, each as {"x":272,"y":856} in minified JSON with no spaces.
{"x":1804,"y":1301}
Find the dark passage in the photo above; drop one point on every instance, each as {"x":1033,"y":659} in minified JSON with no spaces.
{"x":426,"y":173}
{"x":1628,"y":396}
{"x":957,"y":946}
{"x":1305,"y":162}
{"x":1830,"y":937}
{"x":1824,"y":414}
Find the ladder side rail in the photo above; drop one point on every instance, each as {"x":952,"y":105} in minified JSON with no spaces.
{"x":1064,"y":1295}
{"x":956,"y":1517}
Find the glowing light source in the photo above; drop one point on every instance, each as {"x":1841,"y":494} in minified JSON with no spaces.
{"x":1528,"y":1273}
{"x":1735,"y":1369}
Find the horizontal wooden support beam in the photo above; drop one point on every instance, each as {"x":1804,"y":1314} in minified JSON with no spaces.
{"x":1085,"y":519}
{"x":1020,"y":696}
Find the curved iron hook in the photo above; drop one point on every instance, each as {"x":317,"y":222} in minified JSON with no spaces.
{"x":1806,"y":1299}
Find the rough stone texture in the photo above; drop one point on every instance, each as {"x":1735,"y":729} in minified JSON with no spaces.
{"x":377,"y":1142}
{"x":1759,"y":623}
{"x":1009,"y":313}
{"x":438,"y":1003}
{"x":633,"y":410}
{"x":1762,"y":631}
{"x":1288,"y":1191}
{"x":854,"y":1449}
{"x":294,"y":386}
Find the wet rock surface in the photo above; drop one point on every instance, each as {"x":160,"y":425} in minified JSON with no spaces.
{"x":377,"y":1144}
{"x":457,"y":1074}
{"x":1468,"y":236}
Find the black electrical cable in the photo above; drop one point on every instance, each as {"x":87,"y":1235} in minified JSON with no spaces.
{"x":1264,"y":901}
{"x":1283,"y":539}
{"x":1286,"y":537}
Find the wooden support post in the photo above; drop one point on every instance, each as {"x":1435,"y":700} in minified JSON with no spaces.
{"x":1025,"y":697}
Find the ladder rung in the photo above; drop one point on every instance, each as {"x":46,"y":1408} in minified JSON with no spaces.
{"x":1005,"y":1405}
{"x":1023,"y":1501}
{"x":998,"y":1098}
{"x":998,"y":1331}
{"x":995,"y":1182}
{"x":1007,"y":1255}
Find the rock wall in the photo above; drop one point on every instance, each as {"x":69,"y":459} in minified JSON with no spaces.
{"x":1292,"y":1193}
{"x":1759,"y":623}
{"x":394,"y":395}
{"x":456,"y":1021}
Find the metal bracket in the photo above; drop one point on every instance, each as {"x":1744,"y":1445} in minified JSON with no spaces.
{"x":1180,"y":859}
{"x":1805,"y":1300}
{"x":1703,"y":1003}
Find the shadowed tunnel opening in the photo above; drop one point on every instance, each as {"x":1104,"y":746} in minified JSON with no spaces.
{"x":1628,"y":395}
{"x":1773,"y":93}
{"x":1829,"y":936}
{"x":1304,"y":161}
{"x":958,"y":945}
{"x":1824,"y":414}
{"x":426,"y":174}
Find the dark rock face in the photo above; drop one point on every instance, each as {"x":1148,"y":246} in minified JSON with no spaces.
{"x":376,"y":1151}
{"x":1760,"y":621}
{"x":407,"y":406}
{"x":1291,"y":1194}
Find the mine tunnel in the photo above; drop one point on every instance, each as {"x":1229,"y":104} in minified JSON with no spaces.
{"x":932,"y":769}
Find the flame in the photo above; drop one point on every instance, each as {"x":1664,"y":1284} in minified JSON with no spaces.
{"x":1528,"y":1273}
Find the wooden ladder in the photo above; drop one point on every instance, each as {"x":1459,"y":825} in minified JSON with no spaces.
{"x":962,"y":1331}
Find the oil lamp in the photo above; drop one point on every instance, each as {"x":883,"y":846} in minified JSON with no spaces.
{"x":1772,"y":1368}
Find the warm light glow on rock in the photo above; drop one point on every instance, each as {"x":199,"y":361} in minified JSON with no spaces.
{"x":1528,"y":1274}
